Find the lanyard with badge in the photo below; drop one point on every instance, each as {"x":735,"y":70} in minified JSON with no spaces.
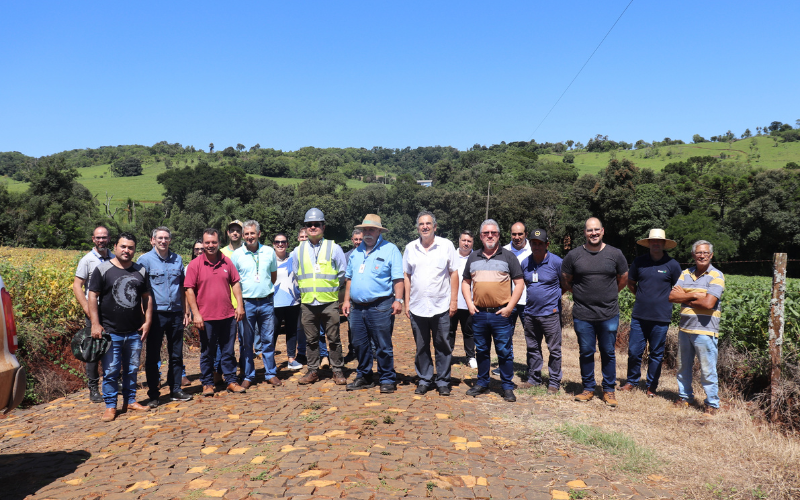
{"x":366,"y":256}
{"x":535,"y":275}
{"x":257,"y":258}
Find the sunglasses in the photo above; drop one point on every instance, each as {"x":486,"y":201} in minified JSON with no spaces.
{"x":313,"y":224}
{"x":279,"y":242}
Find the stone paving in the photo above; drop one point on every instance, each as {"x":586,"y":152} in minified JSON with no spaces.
{"x":296,"y":442}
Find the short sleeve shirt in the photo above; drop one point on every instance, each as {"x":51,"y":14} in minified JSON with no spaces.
{"x":492,"y":278}
{"x":594,"y":281}
{"x":255,"y":270}
{"x":429,"y":273}
{"x":543,"y":284}
{"x":697,"y":320}
{"x":166,"y":280}
{"x":212,"y":286}
{"x":654,"y":280}
{"x":88,"y":264}
{"x":120,"y":293}
{"x":372,"y":276}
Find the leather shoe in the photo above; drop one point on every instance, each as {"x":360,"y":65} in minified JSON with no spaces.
{"x":477,"y":389}
{"x":360,"y":383}
{"x":109,"y":415}
{"x":309,"y":378}
{"x":422,"y":389}
{"x":246,"y":384}
{"x":552,"y":390}
{"x":338,"y":378}
{"x":444,"y":390}
{"x":508,"y":395}
{"x":388,"y":388}
{"x":275,"y":381}
{"x":208,"y":390}
{"x":236,"y":388}
{"x":627,"y":387}
{"x":185,"y":381}
{"x":179,"y":395}
{"x":153,"y":403}
{"x":135,"y":406}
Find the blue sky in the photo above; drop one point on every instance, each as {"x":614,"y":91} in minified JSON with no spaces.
{"x":392,"y":74}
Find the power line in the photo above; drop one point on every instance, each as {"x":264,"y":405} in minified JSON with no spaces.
{"x":579,"y":71}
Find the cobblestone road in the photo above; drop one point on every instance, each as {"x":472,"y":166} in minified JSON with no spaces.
{"x":294,"y":442}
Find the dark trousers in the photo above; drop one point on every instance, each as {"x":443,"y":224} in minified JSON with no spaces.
{"x":288,"y":316}
{"x":438,"y":328}
{"x":324,"y":316}
{"x":222,"y":333}
{"x":374,"y":322}
{"x":549,"y":329}
{"x":92,"y":371}
{"x":644,"y":331}
{"x":465,"y":318}
{"x":169,"y":324}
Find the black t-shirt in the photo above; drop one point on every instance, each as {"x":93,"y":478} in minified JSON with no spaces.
{"x":594,"y":281}
{"x":654,"y":281}
{"x":120,"y":292}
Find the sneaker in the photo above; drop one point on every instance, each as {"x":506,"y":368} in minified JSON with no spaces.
{"x":477,"y":390}
{"x":610,"y":399}
{"x":94,"y":394}
{"x":508,"y":395}
{"x":388,"y":388}
{"x":710,"y":410}
{"x":681,"y":403}
{"x":360,"y":383}
{"x":627,"y":387}
{"x":180,"y":396}
{"x":496,"y":371}
{"x":473,"y":363}
{"x":584,"y":396}
{"x":153,"y":403}
{"x":294,"y":365}
{"x":650,"y":394}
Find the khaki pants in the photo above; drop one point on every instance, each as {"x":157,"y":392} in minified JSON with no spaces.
{"x":322,"y":316}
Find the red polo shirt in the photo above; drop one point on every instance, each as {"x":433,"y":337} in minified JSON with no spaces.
{"x":212,"y":286}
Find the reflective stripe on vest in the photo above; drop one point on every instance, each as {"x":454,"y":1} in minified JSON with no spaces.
{"x":322,"y":286}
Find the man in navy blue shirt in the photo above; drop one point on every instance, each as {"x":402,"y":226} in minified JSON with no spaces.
{"x":651,"y":278}
{"x":542,"y":315}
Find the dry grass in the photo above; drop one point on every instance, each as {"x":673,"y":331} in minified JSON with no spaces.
{"x":729,"y":456}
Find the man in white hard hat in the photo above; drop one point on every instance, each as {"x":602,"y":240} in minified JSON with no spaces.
{"x":319,"y":266}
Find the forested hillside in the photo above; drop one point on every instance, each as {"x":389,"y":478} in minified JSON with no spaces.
{"x":718,"y":189}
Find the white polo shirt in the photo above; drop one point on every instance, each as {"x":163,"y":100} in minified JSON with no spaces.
{"x":521,"y":255}
{"x":430,"y":276}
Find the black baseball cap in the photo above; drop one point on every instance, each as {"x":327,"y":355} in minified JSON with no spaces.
{"x":538,"y":234}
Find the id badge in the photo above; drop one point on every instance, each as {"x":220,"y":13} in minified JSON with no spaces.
{"x":535,"y":277}
{"x":258,"y":279}
{"x":317,"y":269}
{"x":361,"y":269}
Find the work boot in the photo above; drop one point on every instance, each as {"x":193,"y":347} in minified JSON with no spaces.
{"x":338,"y":377}
{"x":610,"y":399}
{"x":94,"y":393}
{"x":109,"y":415}
{"x":584,"y":396}
{"x":236,"y":388}
{"x":309,"y":378}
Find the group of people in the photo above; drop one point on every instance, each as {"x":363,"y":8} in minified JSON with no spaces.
{"x":248,"y":290}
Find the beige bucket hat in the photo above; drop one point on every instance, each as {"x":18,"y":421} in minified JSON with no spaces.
{"x":658,"y":234}
{"x":372,"y":220}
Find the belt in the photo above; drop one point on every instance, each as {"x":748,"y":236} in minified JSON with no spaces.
{"x":371,"y":303}
{"x":490,"y":309}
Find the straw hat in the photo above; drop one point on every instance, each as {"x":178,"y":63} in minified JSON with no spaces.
{"x":372,"y":220}
{"x":658,"y":234}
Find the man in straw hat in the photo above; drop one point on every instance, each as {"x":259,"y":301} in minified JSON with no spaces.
{"x":650,"y":279}
{"x":373,"y":297}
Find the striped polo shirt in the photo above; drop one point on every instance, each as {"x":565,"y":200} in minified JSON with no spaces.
{"x":491,"y":278}
{"x":694,"y":319}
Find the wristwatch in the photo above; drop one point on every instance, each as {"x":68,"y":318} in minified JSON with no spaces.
{"x":399,"y":300}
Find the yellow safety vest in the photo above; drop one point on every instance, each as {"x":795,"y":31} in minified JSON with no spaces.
{"x":322,"y":285}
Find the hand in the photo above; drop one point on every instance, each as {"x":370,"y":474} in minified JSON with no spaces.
{"x":239,"y":313}
{"x":408,"y":312}
{"x":198,"y":322}
{"x":346,"y":308}
{"x":453,"y":308}
{"x":145,"y":330}
{"x":506,"y":311}
{"x":97,"y":331}
{"x":397,"y":308}
{"x":187,"y":318}
{"x":472,"y":309}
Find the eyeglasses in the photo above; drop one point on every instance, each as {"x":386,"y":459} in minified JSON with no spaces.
{"x":702,"y":253}
{"x":196,"y":249}
{"x":313,"y":224}
{"x":590,"y":231}
{"x":490,"y":233}
{"x":276,"y":242}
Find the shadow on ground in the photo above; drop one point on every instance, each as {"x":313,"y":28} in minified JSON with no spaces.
{"x":22,"y":474}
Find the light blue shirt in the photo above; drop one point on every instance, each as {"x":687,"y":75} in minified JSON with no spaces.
{"x":382,"y":266}
{"x":255,"y":270}
{"x":166,"y":279}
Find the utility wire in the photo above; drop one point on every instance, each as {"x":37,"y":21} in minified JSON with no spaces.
{"x":579,"y":71}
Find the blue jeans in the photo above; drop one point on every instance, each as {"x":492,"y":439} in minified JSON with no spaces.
{"x":374,"y":321}
{"x":705,"y":347}
{"x":238,"y":327}
{"x":122,"y":357}
{"x":259,"y":322}
{"x":219,"y":334}
{"x":590,"y":335}
{"x":485,"y":327}
{"x":642,"y":332}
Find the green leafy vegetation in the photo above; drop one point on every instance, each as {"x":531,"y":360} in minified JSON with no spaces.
{"x":632,"y":457}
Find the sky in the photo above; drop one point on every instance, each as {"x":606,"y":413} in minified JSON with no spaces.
{"x":394,"y":74}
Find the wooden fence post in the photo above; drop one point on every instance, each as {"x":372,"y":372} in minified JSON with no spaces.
{"x":776,"y":323}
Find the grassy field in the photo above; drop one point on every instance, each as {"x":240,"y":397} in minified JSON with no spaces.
{"x":771,"y":156}
{"x":99,"y":182}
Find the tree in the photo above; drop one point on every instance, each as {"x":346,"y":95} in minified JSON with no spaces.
{"x":211,"y":148}
{"x":747,"y":134}
{"x":229,"y":152}
{"x":256,"y":147}
{"x":697,"y":139}
{"x":570,"y":143}
{"x":329,"y":164}
{"x":686,"y":229}
{"x":568,"y":158}
{"x":228,"y":182}
{"x":240,"y":147}
{"x":792,"y":165}
{"x":126,"y":167}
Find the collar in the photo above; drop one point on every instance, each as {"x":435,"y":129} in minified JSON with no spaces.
{"x":219,"y":262}
{"x":510,"y":247}
{"x":100,"y":257}
{"x":544,"y":261}
{"x":693,"y":270}
{"x":247,"y":250}
{"x":464,"y":256}
{"x":418,"y":242}
{"x":363,"y":246}
{"x":498,"y":252}
{"x":170,"y":253}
